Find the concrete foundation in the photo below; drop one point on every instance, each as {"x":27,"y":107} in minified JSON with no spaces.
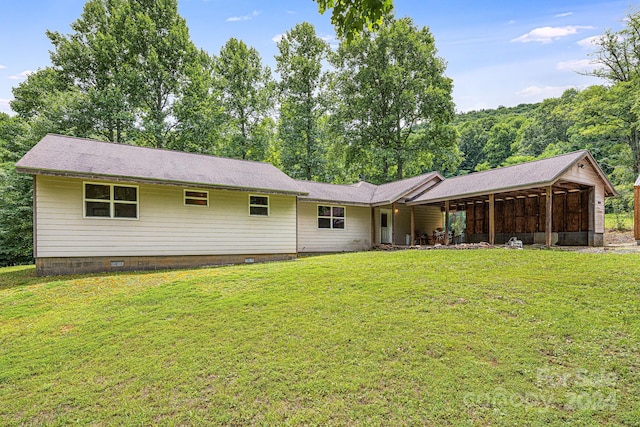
{"x":81,"y":265}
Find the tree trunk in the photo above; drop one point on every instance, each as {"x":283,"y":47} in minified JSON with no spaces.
{"x":399,"y":149}
{"x":309,"y":143}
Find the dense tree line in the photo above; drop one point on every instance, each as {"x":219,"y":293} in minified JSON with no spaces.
{"x":378,"y":107}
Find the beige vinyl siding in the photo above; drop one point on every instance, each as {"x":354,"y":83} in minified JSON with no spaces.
{"x":166,"y":226}
{"x":356,"y":236}
{"x":427,"y":219}
{"x":588,"y":176}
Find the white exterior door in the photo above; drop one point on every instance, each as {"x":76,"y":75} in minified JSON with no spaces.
{"x":385,"y":226}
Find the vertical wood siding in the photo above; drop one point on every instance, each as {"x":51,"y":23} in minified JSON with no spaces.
{"x":165,"y":225}
{"x":356,"y":236}
{"x":588,"y":176}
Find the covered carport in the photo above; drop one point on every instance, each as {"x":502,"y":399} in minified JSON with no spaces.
{"x":559,"y":200}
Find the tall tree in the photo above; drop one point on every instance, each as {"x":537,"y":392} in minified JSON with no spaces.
{"x":52,"y":104}
{"x":391,"y":84}
{"x":198,"y":112}
{"x":301,"y":101}
{"x":618,"y":54}
{"x":129,"y":57}
{"x":96,"y":57}
{"x":247,"y":95}
{"x":165,"y":57}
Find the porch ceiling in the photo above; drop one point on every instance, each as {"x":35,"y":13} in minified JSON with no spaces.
{"x":561,"y":187}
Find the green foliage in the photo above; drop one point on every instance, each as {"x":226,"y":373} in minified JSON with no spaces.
{"x":303,"y":102}
{"x":247,"y":95}
{"x":130,"y":59}
{"x":16,"y":217}
{"x":16,"y":195}
{"x":351,"y":17}
{"x":394,"y":99}
{"x":500,"y":139}
{"x":377,"y":339}
{"x":618,"y":53}
{"x":598,"y":118}
{"x":199,"y":112}
{"x":619,"y":221}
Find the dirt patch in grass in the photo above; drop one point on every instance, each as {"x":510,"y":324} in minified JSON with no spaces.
{"x":616,"y":237}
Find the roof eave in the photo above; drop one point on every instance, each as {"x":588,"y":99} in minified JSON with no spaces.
{"x":139,"y":180}
{"x":481,"y":193}
{"x":431,"y":176}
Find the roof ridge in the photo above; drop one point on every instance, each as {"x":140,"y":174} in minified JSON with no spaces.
{"x":425,"y":175}
{"x":584,"y":151}
{"x":337,"y":185}
{"x":159,"y":149}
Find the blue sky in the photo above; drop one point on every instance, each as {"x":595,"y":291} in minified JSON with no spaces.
{"x":501,"y":53}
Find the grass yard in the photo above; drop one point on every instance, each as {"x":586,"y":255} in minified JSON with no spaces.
{"x":486,"y":337}
{"x":621,"y":221}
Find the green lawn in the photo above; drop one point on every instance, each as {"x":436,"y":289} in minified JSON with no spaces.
{"x":485,"y":337}
{"x":621,"y":221}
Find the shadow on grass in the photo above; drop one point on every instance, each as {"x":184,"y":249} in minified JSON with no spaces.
{"x":20,"y":275}
{"x":25,"y":275}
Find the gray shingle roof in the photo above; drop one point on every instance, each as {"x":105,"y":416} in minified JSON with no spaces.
{"x":539,"y":172}
{"x":364,"y":193}
{"x":359,"y":194}
{"x":56,"y":155}
{"x":392,"y":191}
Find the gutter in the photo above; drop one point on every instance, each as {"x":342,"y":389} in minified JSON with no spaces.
{"x":121,"y":178}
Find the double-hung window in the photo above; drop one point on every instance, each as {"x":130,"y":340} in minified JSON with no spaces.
{"x":258,"y":205}
{"x":110,"y":201}
{"x":332,"y":217}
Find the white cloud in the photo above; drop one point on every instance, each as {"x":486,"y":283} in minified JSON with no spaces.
{"x":291,"y":12}
{"x":589,"y":42}
{"x":511,"y":22}
{"x":538,"y":92}
{"x":562,"y":15}
{"x":248,"y":17}
{"x":4,"y":106}
{"x":2,"y":67}
{"x":549,"y":34}
{"x":578,"y":65}
{"x":23,"y":75}
{"x":277,"y":38}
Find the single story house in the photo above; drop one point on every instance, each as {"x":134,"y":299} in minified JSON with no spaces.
{"x":101,"y":206}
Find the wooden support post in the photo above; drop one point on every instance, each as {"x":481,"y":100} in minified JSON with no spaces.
{"x":373,"y":226}
{"x":413,"y":225}
{"x":393,"y":224}
{"x":446,"y":222}
{"x":492,"y":219}
{"x":548,"y":216}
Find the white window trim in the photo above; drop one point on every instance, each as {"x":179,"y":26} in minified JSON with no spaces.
{"x":206,"y":199}
{"x":331,"y":217}
{"x":268,"y":205}
{"x":111,"y":201}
